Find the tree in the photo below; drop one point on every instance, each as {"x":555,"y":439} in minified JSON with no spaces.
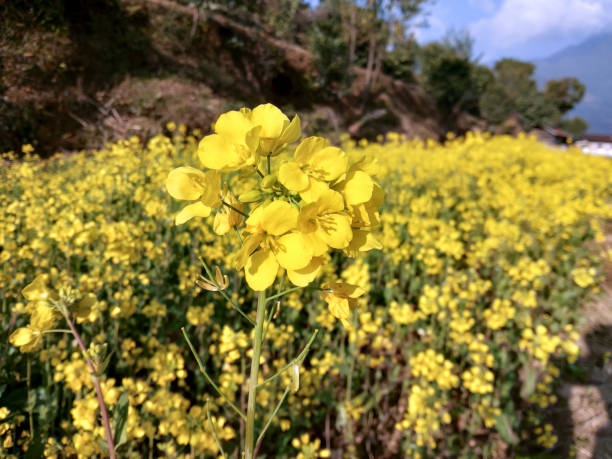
{"x":564,"y":93}
{"x":370,"y":29}
{"x":452,"y":76}
{"x":575,"y":126}
{"x":513,"y":91}
{"x":329,"y":50}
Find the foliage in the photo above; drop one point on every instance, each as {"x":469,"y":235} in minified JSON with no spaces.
{"x":564,"y":93}
{"x":576,"y":126}
{"x":451,"y":75}
{"x":513,"y":92}
{"x":329,"y":54}
{"x":469,"y":313}
{"x":400,"y":62}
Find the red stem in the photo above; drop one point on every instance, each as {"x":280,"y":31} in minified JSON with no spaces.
{"x":96,"y":382}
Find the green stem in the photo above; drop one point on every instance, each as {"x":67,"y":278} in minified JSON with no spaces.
{"x":232,"y":303}
{"x":273,"y":297}
{"x":261,"y":435}
{"x":57,"y":330}
{"x":299,"y":359}
{"x":214,"y":433}
{"x":234,"y":209}
{"x":29,"y":379}
{"x":271,"y":313}
{"x":110,"y":441}
{"x":208,"y":378}
{"x":238,"y":234}
{"x":251,"y":404}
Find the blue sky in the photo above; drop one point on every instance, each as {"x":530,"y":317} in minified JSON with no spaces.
{"x":523,"y":29}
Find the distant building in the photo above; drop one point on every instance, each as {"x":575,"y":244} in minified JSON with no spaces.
{"x":595,"y":144}
{"x":553,"y":137}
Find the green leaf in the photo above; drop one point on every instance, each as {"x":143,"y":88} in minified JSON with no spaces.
{"x":104,"y":365}
{"x":120,"y":419}
{"x":502,"y":422}
{"x":530,"y":376}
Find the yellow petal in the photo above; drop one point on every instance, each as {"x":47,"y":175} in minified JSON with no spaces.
{"x":212,"y":189}
{"x":261,"y":269}
{"x":185,"y":183}
{"x":291,"y":132}
{"x":196,"y":209}
{"x":358,"y":188}
{"x":271,"y":120}
{"x":303,"y":277}
{"x":338,"y":307}
{"x":362,"y":242}
{"x":336,"y":230}
{"x":328,"y":164}
{"x":330,"y":201}
{"x":279,"y":217}
{"x":292,"y":177}
{"x":234,"y":126}
{"x":315,"y":190}
{"x":218,"y":153}
{"x":252,"y":143}
{"x":22,"y":337}
{"x":43,"y":317}
{"x":221,"y":223}
{"x":249,"y":245}
{"x":308,"y":147}
{"x":344,"y":290}
{"x":378,"y":197}
{"x":292,"y":252}
{"x":37,"y":290}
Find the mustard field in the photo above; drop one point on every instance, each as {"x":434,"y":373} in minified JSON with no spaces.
{"x":461,"y":311}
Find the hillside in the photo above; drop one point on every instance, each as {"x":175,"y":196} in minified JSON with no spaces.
{"x":590,"y":62}
{"x":74,"y":78}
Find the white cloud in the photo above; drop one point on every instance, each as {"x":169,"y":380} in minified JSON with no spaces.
{"x":517,"y":22}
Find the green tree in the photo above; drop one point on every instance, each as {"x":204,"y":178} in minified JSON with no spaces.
{"x":564,"y":93}
{"x":329,"y":50}
{"x":369,"y":29}
{"x":514,"y":92}
{"x":576,"y":126}
{"x":453,"y":77}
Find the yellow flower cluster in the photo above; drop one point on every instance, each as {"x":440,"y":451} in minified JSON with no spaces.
{"x":424,"y":415}
{"x":432,"y":367}
{"x":478,"y":380}
{"x":500,"y":312}
{"x":313,"y":202}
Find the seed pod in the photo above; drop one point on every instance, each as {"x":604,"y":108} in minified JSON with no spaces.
{"x":295,"y":378}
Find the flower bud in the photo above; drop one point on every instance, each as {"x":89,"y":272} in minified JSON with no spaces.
{"x":268,"y":182}
{"x":250,"y":196}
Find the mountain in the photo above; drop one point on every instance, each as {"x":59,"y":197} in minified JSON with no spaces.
{"x":590,"y":62}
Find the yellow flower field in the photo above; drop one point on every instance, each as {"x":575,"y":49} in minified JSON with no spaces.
{"x":467,"y":314}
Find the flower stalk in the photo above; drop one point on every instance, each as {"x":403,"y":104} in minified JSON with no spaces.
{"x":96,"y":382}
{"x":249,"y":448}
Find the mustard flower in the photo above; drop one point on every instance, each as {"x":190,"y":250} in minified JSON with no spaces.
{"x":325,"y":224}
{"x":234,"y":144}
{"x":315,"y":164}
{"x":191,"y":184}
{"x":340,"y":298}
{"x":273,"y":242}
{"x":276,"y":129}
